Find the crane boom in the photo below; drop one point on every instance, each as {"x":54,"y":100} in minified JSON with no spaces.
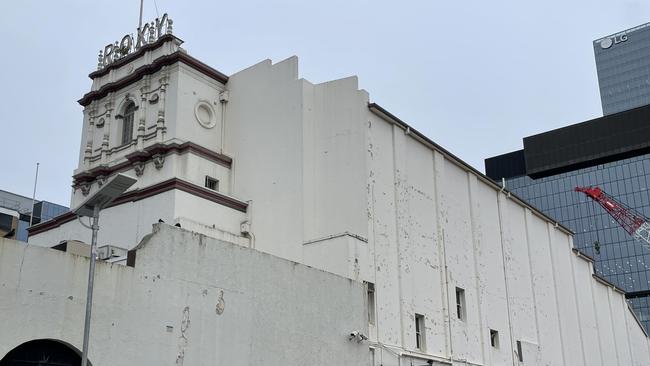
{"x":634,"y":223}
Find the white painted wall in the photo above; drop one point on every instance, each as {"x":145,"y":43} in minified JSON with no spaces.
{"x":435,"y":226}
{"x":264,"y":138}
{"x":299,"y":152}
{"x":192,"y":87}
{"x":127,"y":224}
{"x":333,"y":145}
{"x":546,"y":282}
{"x":518,"y":271}
{"x":117,"y":225}
{"x":275,"y":312}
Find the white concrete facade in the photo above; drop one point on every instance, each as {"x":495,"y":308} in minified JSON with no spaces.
{"x":188,"y":300}
{"x":371,"y":200}
{"x":331,"y":181}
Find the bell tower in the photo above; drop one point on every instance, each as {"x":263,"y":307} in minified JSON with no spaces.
{"x":155,"y":113}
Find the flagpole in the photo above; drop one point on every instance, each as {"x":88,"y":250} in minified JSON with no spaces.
{"x":31,"y":217}
{"x":140,"y":22}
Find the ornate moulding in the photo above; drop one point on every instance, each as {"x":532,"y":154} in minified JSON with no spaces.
{"x":156,"y":153}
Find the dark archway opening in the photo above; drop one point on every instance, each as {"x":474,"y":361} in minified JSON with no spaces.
{"x":42,"y":352}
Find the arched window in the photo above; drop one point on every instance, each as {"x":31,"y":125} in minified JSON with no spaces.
{"x":127,"y":123}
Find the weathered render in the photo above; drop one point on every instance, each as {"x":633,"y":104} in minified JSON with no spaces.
{"x":437,"y":225}
{"x":316,"y":174}
{"x":188,"y":300}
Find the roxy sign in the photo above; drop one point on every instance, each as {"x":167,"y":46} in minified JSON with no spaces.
{"x":149,"y":33}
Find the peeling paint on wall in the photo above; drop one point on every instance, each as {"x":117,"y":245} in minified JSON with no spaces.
{"x":182,"y":342}
{"x":221,"y":304}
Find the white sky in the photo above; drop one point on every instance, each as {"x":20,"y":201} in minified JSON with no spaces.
{"x":474,"y":76}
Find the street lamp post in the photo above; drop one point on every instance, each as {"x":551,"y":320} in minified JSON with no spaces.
{"x":91,"y":281}
{"x":90,"y":208}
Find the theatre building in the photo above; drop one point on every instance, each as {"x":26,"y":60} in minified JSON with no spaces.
{"x":279,"y":222}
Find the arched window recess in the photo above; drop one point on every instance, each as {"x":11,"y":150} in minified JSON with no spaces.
{"x":127,"y":116}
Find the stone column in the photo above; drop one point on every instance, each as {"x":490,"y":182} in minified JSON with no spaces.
{"x":107,"y":129}
{"x":143,"y":113}
{"x":160,"y":122}
{"x":88,"y":152}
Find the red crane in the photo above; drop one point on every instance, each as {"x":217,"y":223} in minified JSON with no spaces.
{"x":634,"y":223}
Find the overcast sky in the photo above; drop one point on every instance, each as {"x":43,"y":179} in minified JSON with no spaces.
{"x":475,"y":76}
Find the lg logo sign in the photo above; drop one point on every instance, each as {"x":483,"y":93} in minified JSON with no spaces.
{"x":610,"y":41}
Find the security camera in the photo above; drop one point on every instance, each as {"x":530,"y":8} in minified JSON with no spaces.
{"x":356,"y":335}
{"x":353,"y":335}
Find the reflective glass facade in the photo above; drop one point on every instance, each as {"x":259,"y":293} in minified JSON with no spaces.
{"x":45,"y":210}
{"x":618,"y":257}
{"x":21,"y":233}
{"x":641,"y":306}
{"x":623,"y":65}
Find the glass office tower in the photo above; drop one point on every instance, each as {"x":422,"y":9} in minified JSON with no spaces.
{"x":45,"y":210}
{"x":607,"y":152}
{"x":623,"y":65}
{"x":22,"y":206}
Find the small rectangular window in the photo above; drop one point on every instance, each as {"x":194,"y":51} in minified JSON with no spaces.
{"x":371,"y":302}
{"x":211,"y":183}
{"x":494,"y":338}
{"x":520,"y":355}
{"x":419,"y":332}
{"x":460,"y":303}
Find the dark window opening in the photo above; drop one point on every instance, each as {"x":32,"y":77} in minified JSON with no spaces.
{"x":371,"y":302}
{"x":494,"y":338}
{"x":211,"y":183}
{"x":460,"y":303}
{"x":419,"y":332}
{"x":127,"y":123}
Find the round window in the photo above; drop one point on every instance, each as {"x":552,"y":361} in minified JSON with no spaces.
{"x":205,"y":114}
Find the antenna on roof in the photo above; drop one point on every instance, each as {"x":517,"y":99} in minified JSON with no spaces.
{"x":140,"y":22}
{"x":31,"y":216}
{"x":156,"y":6}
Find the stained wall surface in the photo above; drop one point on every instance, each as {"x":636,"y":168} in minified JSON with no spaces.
{"x":438,"y":226}
{"x":189,"y":300}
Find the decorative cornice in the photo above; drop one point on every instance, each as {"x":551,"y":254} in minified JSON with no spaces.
{"x":123,"y":61}
{"x":149,"y":153}
{"x":142,"y":193}
{"x":213,"y":156}
{"x":51,"y":224}
{"x":138,"y":156}
{"x":151,"y":68}
{"x":101,"y":170}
